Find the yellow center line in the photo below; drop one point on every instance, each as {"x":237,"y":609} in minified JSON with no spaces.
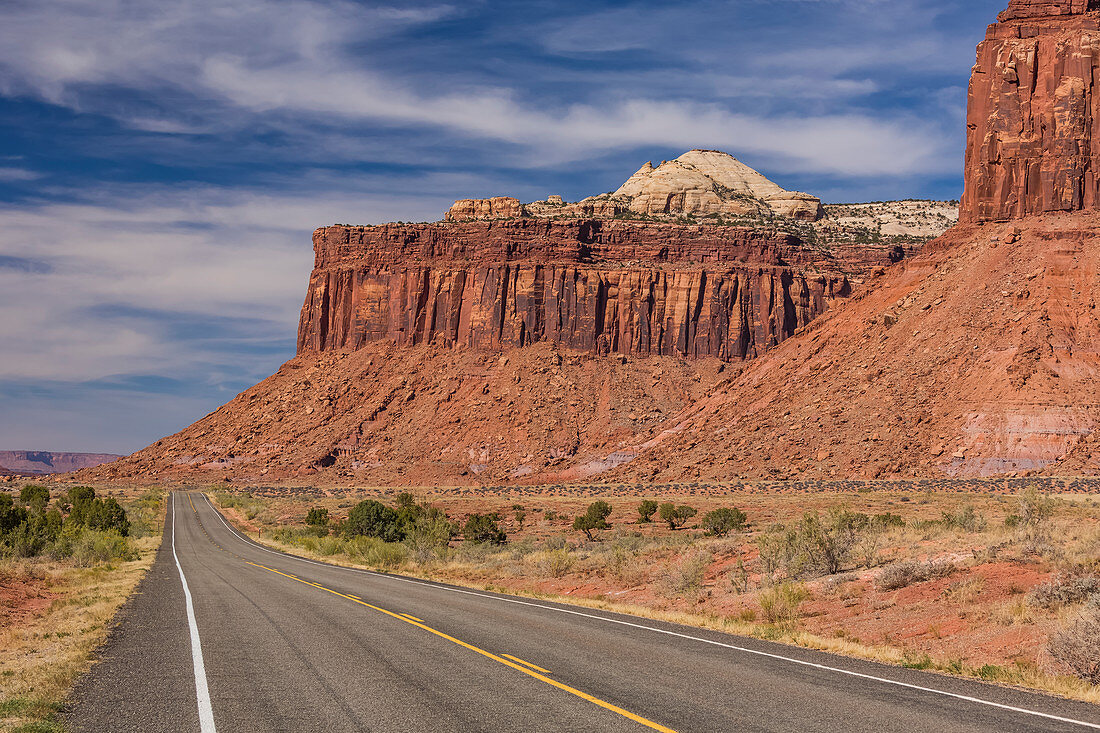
{"x":506,"y":662}
{"x":414,"y":618}
{"x":535,"y":667}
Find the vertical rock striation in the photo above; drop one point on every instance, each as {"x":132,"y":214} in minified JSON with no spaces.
{"x":1032,"y":142}
{"x":591,"y":285}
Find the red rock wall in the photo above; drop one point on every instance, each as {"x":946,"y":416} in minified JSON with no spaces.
{"x":1032,"y":121}
{"x":592,"y":285}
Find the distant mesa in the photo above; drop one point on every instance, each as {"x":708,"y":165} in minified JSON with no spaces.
{"x":700,"y":183}
{"x":39,"y":462}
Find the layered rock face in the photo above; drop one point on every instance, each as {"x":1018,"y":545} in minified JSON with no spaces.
{"x":590,"y":285}
{"x":500,"y":207}
{"x":1032,"y":142}
{"x":1025,"y":9}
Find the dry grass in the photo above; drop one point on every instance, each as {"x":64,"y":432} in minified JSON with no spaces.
{"x":41,"y":659}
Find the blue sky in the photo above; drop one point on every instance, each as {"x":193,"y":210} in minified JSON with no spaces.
{"x":163,"y":164}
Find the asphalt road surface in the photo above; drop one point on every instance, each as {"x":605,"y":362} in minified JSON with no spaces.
{"x":227,"y":635}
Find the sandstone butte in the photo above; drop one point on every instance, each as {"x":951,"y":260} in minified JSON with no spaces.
{"x":700,"y":183}
{"x":976,"y":356}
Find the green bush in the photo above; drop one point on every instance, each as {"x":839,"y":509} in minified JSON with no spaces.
{"x":317,"y":517}
{"x":35,"y":497}
{"x":646,"y":510}
{"x":674,"y":515}
{"x":480,"y":528}
{"x":372,"y":518}
{"x":593,"y":519}
{"x":11,"y":516}
{"x":720,"y":522}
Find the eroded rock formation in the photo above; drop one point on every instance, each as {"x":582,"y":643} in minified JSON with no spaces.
{"x":1032,"y":142}
{"x":591,"y":285}
{"x":700,"y":183}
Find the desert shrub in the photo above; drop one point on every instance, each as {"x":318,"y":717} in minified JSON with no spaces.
{"x":1078,"y":646}
{"x":556,"y":563}
{"x":106,"y":515}
{"x":1065,"y":590}
{"x":429,"y":533}
{"x":889,"y":519}
{"x":646,"y":510}
{"x":35,"y":497}
{"x":317,"y":516}
{"x":720,"y":522}
{"x":31,"y":537}
{"x":593,"y":519}
{"x":378,"y":553}
{"x":782,"y":603}
{"x":966,"y":519}
{"x":481,"y":528}
{"x":370,"y":518}
{"x":902,"y":574}
{"x":329,"y":546}
{"x":674,"y":515}
{"x":1032,"y":516}
{"x":686,"y":576}
{"x":815,"y":546}
{"x":11,"y":516}
{"x":520,"y":516}
{"x":556,"y":542}
{"x":90,"y":547}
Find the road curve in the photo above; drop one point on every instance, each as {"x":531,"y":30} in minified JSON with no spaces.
{"x":269,"y":642}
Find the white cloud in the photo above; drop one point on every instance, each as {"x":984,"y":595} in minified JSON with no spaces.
{"x":292,"y":58}
{"x":194,"y":254}
{"x":9,"y":175}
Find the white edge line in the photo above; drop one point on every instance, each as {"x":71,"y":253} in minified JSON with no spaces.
{"x":745,"y":650}
{"x":202,"y":691}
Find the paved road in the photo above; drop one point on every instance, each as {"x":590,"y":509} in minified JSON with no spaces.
{"x":268,"y":642}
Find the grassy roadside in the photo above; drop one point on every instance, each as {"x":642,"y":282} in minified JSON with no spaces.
{"x":517,"y":569}
{"x":57,"y":613}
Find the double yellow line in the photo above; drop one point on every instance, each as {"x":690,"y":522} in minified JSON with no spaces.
{"x":507,"y":660}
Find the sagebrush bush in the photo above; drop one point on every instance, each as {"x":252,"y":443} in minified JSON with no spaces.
{"x":685,"y":578}
{"x":902,"y":574}
{"x":1078,"y":646}
{"x":1065,"y":590}
{"x":556,"y":563}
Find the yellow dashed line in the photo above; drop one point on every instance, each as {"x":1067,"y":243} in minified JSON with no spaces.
{"x":535,"y":667}
{"x":506,"y":662}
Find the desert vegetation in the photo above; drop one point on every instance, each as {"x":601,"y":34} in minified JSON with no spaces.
{"x":1001,"y":587}
{"x":68,"y":560}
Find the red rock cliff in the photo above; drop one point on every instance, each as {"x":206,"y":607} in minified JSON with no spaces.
{"x":1032,"y":142}
{"x":592,"y":285}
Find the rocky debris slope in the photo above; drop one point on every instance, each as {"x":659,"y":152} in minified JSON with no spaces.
{"x":1032,"y":142}
{"x":43,"y":462}
{"x":978,"y":357}
{"x":590,"y":285}
{"x":427,"y":415}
